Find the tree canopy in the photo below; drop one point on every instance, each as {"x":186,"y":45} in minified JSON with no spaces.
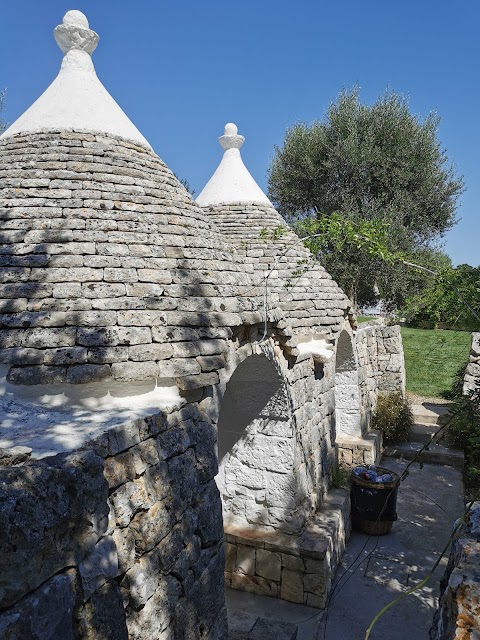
{"x":378,"y":163}
{"x":452,"y":297}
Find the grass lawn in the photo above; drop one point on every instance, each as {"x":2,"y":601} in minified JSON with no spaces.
{"x":365,"y":318}
{"x":432,"y":358}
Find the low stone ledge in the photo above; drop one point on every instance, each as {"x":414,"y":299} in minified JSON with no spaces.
{"x":353,"y":452}
{"x":297,"y":568}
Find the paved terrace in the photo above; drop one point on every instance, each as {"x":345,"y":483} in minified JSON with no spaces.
{"x":429,"y":501}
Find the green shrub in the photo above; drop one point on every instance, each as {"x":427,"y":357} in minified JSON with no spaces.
{"x":393,"y":417}
{"x":464,"y":431}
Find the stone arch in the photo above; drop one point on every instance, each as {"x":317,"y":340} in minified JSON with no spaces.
{"x":348,"y":419}
{"x":256,"y":448}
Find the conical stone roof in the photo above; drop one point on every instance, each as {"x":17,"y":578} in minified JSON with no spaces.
{"x":109,"y":271}
{"x":312,"y":303}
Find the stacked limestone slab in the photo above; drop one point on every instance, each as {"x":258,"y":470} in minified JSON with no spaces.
{"x":291,"y":278}
{"x":108,"y":269}
{"x":471,"y":381}
{"x":299,"y":286}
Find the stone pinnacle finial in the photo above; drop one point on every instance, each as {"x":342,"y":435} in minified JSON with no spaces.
{"x":230,"y":138}
{"x":75,"y":33}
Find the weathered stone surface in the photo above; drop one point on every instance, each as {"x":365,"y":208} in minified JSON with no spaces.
{"x":268,"y":564}
{"x":99,"y":566}
{"x":291,"y":586}
{"x":53,"y":512}
{"x":458,"y":615}
{"x":48,"y":612}
{"x":103,"y":616}
{"x":14,"y":455}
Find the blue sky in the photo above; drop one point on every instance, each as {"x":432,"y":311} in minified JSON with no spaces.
{"x":182,"y":69}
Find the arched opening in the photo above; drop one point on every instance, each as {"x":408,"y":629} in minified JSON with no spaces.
{"x":347,"y":392}
{"x":256,"y":448}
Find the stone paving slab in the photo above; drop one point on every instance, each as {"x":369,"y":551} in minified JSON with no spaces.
{"x":429,"y":501}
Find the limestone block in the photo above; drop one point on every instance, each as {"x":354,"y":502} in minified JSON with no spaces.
{"x":127,"y":500}
{"x":19,"y":355}
{"x":293,"y":563}
{"x":53,"y":512}
{"x":99,"y":355}
{"x":211,"y":363}
{"x":116,"y":440}
{"x":269,"y":452}
{"x":245,"y":562}
{"x":291,"y":586}
{"x":152,"y":620}
{"x":281,"y":490}
{"x":14,"y":455}
{"x":197,"y":381}
{"x":134,"y":371}
{"x":157,"y":481}
{"x":149,"y":527}
{"x":99,"y":566}
{"x":204,"y":606}
{"x":209,"y":511}
{"x":45,"y":613}
{"x":103,"y":616}
{"x":268,"y":564}
{"x":147,"y":318}
{"x":254,"y":584}
{"x":153,"y":351}
{"x":230,"y":557}
{"x":176,"y":367}
{"x":347,"y":396}
{"x":43,"y":338}
{"x":315,"y":583}
{"x":314,"y":600}
{"x":172,"y":442}
{"x":65,"y":355}
{"x":83,"y":373}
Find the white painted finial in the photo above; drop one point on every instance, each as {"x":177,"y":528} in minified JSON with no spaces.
{"x":230,"y":138}
{"x":76,"y":100}
{"x":231,"y":182}
{"x":75,"y":33}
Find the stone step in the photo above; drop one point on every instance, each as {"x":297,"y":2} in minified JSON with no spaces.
{"x":435,"y":454}
{"x":430,"y":413}
{"x":423,"y":433}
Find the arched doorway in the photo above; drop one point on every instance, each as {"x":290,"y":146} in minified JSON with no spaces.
{"x":347,"y":392}
{"x":256,"y":448}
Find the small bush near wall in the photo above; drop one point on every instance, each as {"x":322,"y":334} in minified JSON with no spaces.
{"x":393,"y":417}
{"x":464,"y":428}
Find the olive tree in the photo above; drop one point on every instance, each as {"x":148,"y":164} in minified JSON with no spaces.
{"x":375,"y":163}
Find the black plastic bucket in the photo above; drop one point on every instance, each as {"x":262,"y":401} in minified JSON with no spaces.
{"x":374,"y":504}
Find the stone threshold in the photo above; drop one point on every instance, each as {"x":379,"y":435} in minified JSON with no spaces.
{"x":294,"y":567}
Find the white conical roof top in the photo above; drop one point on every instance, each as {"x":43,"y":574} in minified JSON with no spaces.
{"x":76,"y":99}
{"x":232,"y":181}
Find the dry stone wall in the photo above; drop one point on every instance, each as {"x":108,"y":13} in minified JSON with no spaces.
{"x":375,"y":365}
{"x":471,"y":380}
{"x":297,"y":568}
{"x":381,"y":365}
{"x":122,"y":540}
{"x":458,"y":615}
{"x":277,"y":470}
{"x":309,"y":298}
{"x":108,"y":269}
